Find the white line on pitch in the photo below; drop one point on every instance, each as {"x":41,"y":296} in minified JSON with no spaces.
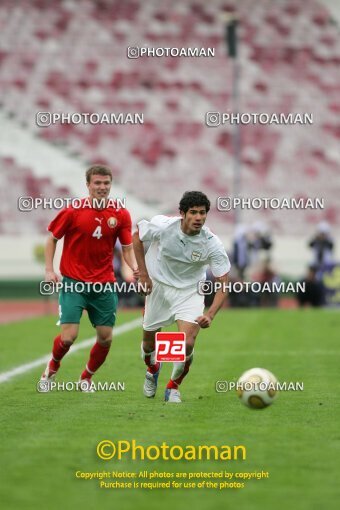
{"x":21,"y":369}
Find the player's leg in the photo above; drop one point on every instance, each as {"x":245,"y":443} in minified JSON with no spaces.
{"x":157,"y":314}
{"x":71,"y":306}
{"x":61,"y":346}
{"x":99,"y":351}
{"x":181,"y":369}
{"x":153,"y":368}
{"x":187,"y":306}
{"x":148,"y":349}
{"x":101,"y":307}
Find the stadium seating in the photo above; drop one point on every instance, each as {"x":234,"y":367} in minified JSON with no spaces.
{"x":75,"y":61}
{"x":18,"y":181}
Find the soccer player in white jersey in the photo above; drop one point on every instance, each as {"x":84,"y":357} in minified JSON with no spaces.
{"x":181,"y":250}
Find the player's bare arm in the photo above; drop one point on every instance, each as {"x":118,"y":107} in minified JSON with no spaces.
{"x":144,"y":278}
{"x":205,"y":320}
{"x":50,"y":247}
{"x":130,"y":259}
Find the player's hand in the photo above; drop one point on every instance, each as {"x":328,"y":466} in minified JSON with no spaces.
{"x":136,"y":274}
{"x":51,"y":276}
{"x":145,"y":285}
{"x":204,"y":321}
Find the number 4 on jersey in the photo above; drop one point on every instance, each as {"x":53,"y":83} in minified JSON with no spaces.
{"x":97,"y":232}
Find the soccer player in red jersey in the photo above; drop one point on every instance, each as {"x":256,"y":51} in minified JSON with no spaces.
{"x":90,"y":232}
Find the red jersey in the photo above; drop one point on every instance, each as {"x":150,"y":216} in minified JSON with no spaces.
{"x":89,"y":238}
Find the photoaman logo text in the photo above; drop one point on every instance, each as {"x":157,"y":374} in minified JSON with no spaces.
{"x":108,"y":450}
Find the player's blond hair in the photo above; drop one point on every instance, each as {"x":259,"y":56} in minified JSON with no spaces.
{"x":98,"y":170}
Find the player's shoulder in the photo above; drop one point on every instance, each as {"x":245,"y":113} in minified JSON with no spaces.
{"x":82,"y":204}
{"x":67,"y":211}
{"x":122,"y":212}
{"x":164,"y":221}
{"x":114,"y":204}
{"x":212,"y":239}
{"x":118,"y":211}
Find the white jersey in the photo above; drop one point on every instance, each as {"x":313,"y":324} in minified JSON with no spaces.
{"x":177,"y":259}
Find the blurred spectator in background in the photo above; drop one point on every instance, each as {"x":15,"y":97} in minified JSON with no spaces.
{"x":268,"y":275}
{"x":249,"y":242}
{"x":241,"y":257}
{"x":259,"y":240}
{"x":322,"y":245}
{"x":314,"y":294}
{"x":241,"y":298}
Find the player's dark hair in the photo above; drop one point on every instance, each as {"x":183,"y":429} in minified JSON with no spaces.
{"x":194,"y":199}
{"x":98,"y":170}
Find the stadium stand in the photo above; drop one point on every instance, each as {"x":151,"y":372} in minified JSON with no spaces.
{"x":18,"y":181}
{"x":76,"y":62}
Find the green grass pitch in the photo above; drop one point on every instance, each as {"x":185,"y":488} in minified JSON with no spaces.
{"x":46,"y":438}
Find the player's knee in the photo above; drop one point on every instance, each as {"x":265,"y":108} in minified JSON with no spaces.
{"x":189,"y":349}
{"x":68,"y":341}
{"x":105,"y":341}
{"x":69,"y":335}
{"x":148,"y":346}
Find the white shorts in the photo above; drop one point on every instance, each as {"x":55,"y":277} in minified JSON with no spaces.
{"x":166,"y":304}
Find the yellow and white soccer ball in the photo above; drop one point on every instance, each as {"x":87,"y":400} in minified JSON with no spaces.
{"x":257,"y":388}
